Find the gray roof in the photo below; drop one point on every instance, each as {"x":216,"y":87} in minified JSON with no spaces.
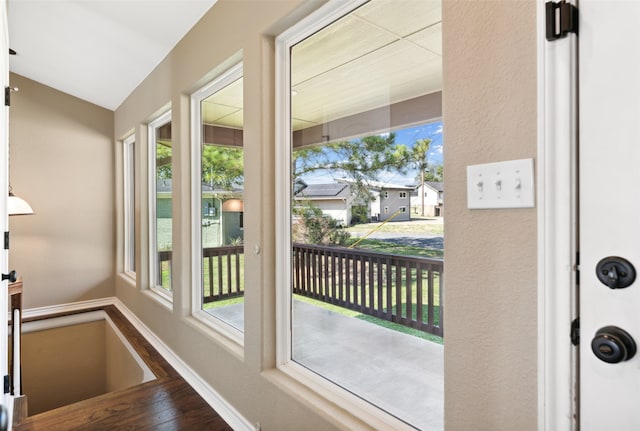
{"x":325,"y":191}
{"x":438,"y":185}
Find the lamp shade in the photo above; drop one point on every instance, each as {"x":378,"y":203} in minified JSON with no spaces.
{"x":18,"y":206}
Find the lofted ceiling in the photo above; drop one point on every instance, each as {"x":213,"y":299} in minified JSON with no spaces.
{"x":394,"y":54}
{"x":96,"y":50}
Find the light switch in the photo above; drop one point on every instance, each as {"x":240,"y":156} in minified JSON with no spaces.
{"x":501,"y":185}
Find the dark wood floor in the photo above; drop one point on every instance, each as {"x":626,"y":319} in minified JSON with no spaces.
{"x":165,"y":404}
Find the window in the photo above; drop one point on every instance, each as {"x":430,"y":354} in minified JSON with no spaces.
{"x":218,"y":198}
{"x":403,"y":209}
{"x":129,"y":194}
{"x":337,"y":97}
{"x":160,"y":205}
{"x":403,"y":195}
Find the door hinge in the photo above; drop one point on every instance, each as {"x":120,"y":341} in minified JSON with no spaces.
{"x":7,"y":96}
{"x":575,"y":331}
{"x":562,"y":18}
{"x":6,"y":384}
{"x":6,"y":240}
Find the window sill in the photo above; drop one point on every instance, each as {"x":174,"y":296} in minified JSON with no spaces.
{"x":160,"y":297}
{"x":225,"y":335}
{"x":336,"y":405}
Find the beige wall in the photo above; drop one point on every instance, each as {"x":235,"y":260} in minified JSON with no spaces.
{"x":61,"y":162}
{"x":74,"y":368}
{"x":491,"y":304}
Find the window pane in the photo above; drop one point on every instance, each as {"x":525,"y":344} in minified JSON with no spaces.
{"x":222,"y":202}
{"x":129,"y":205}
{"x":163,"y":205}
{"x":365,"y":119}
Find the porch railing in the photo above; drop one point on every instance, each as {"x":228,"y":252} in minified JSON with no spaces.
{"x":223,"y":270}
{"x":401,"y":289}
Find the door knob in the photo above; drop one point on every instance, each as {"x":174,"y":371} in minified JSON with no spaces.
{"x":616,"y":272}
{"x":612,"y":345}
{"x":12,"y":277}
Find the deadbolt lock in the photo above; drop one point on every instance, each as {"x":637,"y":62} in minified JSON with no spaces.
{"x":612,"y":345}
{"x":616,"y":272}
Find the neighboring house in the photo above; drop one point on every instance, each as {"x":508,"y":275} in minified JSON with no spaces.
{"x":389,"y":200}
{"x":393,"y":201}
{"x":334,"y":200}
{"x":433,"y":192}
{"x":222,"y":213}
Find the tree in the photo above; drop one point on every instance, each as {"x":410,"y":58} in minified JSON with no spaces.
{"x":222,"y":167}
{"x":163,"y":161}
{"x":311,"y":226}
{"x":434,"y":173}
{"x":419,"y":159}
{"x":360,"y":160}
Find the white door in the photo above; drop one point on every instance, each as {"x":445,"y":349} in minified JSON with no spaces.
{"x":609,"y":102}
{"x":4,"y":190}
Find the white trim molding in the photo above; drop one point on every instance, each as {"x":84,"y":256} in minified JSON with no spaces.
{"x":557,"y":229}
{"x":217,"y":83}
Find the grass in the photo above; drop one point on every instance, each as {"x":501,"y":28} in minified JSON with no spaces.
{"x":404,"y":250}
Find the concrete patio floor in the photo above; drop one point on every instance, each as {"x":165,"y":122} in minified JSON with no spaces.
{"x":399,"y":373}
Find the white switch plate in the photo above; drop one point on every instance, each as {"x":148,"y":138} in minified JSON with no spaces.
{"x":501,"y":185}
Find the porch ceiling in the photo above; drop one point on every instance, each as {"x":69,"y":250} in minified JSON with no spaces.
{"x":327,"y":79}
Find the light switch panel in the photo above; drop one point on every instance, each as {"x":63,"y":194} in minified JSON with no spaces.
{"x":501,"y":185}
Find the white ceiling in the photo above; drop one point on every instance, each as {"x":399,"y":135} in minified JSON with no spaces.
{"x":96,"y":50}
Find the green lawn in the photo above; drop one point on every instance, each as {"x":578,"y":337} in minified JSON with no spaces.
{"x":404,"y":250}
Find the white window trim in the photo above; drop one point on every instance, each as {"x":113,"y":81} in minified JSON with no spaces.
{"x":556,"y":202}
{"x":226,"y":78}
{"x":348,"y":402}
{"x":153,"y":241}
{"x":129,"y":242}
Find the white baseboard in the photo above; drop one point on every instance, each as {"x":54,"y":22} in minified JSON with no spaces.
{"x":210,"y":395}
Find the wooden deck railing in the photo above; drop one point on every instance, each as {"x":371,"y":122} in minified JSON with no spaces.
{"x":402,"y":289}
{"x":223,"y":270}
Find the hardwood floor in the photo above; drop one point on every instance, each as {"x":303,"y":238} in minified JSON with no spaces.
{"x":165,"y":404}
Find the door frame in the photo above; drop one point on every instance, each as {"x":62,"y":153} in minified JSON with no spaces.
{"x":557,"y":185}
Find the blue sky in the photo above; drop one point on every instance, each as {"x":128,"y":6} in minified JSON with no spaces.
{"x":407,"y":137}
